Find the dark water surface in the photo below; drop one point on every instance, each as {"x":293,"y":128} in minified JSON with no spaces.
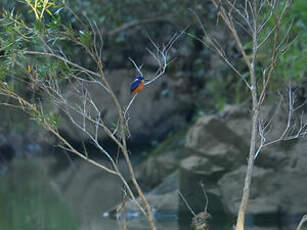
{"x":36,"y":194}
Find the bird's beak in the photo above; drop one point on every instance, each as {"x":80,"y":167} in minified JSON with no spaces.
{"x":146,"y":80}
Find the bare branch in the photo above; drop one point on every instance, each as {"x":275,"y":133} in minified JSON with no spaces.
{"x":290,"y":132}
{"x":206,"y":197}
{"x":212,"y":44}
{"x":65,"y":60}
{"x":135,"y":23}
{"x":160,"y":55}
{"x":136,"y":67}
{"x":186,"y":203}
{"x":130,"y":103}
{"x":303,"y":220}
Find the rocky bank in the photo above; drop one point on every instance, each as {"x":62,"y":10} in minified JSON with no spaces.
{"x":215,"y":151}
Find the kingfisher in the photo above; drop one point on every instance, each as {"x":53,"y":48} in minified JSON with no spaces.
{"x":137,"y":85}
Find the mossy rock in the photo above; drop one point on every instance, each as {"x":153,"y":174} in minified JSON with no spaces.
{"x":167,"y":156}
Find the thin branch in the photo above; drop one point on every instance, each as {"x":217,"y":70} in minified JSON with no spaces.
{"x":206,"y":196}
{"x":212,"y":44}
{"x":301,"y":131}
{"x":64,"y":60}
{"x":303,"y":220}
{"x":186,"y":203}
{"x":129,"y":105}
{"x":160,"y":55}
{"x":233,"y":31}
{"x":135,"y":23}
{"x":136,"y":66}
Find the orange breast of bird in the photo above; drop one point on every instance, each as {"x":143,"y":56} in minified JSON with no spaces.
{"x":139,"y":88}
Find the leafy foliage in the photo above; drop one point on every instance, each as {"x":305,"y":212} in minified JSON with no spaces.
{"x":39,"y":7}
{"x":293,"y":62}
{"x":293,"y":33}
{"x":31,"y":24}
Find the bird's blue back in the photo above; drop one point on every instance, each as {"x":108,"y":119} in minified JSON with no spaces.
{"x":136,"y":82}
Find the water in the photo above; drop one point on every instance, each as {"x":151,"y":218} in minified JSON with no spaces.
{"x":39,"y":193}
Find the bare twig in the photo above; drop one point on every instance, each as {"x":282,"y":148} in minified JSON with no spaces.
{"x":135,"y":23}
{"x":186,"y":203}
{"x":206,"y":197}
{"x":211,"y":43}
{"x":160,"y":55}
{"x":289,"y":133}
{"x":247,"y":15}
{"x":86,"y":115}
{"x":303,"y":220}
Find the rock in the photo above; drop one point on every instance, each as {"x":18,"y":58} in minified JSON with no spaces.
{"x":164,"y":202}
{"x":217,"y":149}
{"x":213,"y":149}
{"x":237,"y":119}
{"x":231,"y":185}
{"x":200,"y":165}
{"x":191,"y":190}
{"x":154,"y":112}
{"x":90,"y":186}
{"x":86,"y":189}
{"x":211,"y":138}
{"x":166,"y":156}
{"x":271,"y":191}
